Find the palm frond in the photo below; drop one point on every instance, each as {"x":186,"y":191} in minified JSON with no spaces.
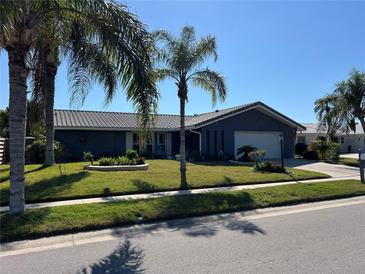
{"x":211,"y":81}
{"x":7,"y":21}
{"x":205,"y":48}
{"x":187,"y":37}
{"x":163,"y":73}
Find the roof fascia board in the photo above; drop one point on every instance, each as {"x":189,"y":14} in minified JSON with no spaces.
{"x":260,"y":107}
{"x":113,"y":129}
{"x":281,"y":117}
{"x":214,"y":120}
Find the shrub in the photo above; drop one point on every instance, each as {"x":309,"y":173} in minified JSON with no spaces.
{"x":107,"y":161}
{"x":300,"y":149}
{"x":328,"y":151}
{"x":89,"y":157}
{"x":333,"y":153}
{"x":146,"y":154}
{"x":245,"y":150}
{"x":140,"y":161}
{"x":321,"y":147}
{"x":124,"y":160}
{"x":257,"y":155}
{"x":132,"y":154}
{"x":310,"y":155}
{"x":35,"y":152}
{"x":272,"y":167}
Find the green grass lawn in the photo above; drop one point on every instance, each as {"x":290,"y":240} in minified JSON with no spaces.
{"x":349,"y":162}
{"x":57,"y":220}
{"x":47,"y":184}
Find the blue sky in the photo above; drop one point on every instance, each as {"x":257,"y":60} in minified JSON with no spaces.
{"x":285,"y":54}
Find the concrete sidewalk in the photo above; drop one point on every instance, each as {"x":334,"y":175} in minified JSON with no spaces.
{"x":174,"y":193}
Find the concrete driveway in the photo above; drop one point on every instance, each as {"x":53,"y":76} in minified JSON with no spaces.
{"x":334,"y":170}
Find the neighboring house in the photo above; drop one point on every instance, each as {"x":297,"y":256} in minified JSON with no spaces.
{"x":350,"y":142}
{"x":212,"y":133}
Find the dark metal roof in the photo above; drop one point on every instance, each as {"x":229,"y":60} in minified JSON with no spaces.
{"x":313,"y":128}
{"x":108,"y":120}
{"x":81,"y":119}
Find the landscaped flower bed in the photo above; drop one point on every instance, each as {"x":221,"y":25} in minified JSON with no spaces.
{"x":119,"y":167}
{"x":129,"y":162}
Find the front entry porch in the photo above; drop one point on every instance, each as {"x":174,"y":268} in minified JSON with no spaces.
{"x":164,"y":144}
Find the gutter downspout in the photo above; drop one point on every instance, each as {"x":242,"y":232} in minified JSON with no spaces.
{"x":200,"y":139}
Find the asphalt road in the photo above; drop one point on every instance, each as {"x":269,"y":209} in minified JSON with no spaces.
{"x":316,"y":238}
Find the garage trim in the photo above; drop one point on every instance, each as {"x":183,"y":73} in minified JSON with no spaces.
{"x":258,"y":132}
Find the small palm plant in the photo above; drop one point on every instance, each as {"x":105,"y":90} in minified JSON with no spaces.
{"x":180,"y":59}
{"x":244,"y":151}
{"x":88,"y":156}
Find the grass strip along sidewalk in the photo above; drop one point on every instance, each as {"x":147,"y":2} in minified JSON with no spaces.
{"x":44,"y":184}
{"x":65,"y":219}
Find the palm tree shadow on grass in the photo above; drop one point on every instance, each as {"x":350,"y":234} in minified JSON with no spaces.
{"x":4,"y":179}
{"x":124,"y":259}
{"x":11,"y":224}
{"x":48,"y":189}
{"x":218,"y":163}
{"x":144,"y":185}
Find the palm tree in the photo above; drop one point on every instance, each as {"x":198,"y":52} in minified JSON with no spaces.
{"x":181,"y":59}
{"x":326,"y":115}
{"x":34,"y":125}
{"x":108,"y":25}
{"x":351,"y":99}
{"x":108,"y":59}
{"x":244,"y":151}
{"x":345,"y":105}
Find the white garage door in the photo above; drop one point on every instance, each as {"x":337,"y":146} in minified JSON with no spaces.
{"x":269,"y":141}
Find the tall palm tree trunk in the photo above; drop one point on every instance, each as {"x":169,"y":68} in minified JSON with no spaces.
{"x":183,"y":181}
{"x":18,"y":73}
{"x":48,"y":114}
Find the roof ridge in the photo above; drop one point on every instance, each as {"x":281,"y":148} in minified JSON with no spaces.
{"x":234,"y":107}
{"x":161,"y":114}
{"x":116,"y":112}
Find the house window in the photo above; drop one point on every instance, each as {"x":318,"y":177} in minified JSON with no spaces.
{"x":215,"y":143}
{"x":342,"y":140}
{"x":208,"y":142}
{"x":161,"y":144}
{"x":149,"y":144}
{"x":222,"y":140}
{"x":136,"y":141}
{"x":301,"y":139}
{"x":321,"y":138}
{"x":335,"y":139}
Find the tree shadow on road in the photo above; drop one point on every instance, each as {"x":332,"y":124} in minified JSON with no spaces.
{"x":124,"y":259}
{"x":210,"y":226}
{"x":182,"y":209}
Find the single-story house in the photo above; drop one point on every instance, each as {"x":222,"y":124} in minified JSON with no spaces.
{"x":210,"y":134}
{"x":349,"y":142}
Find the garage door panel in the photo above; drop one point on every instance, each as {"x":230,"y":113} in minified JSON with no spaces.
{"x":269,"y":141}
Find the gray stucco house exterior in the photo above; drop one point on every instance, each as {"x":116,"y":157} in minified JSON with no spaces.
{"x":210,"y":134}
